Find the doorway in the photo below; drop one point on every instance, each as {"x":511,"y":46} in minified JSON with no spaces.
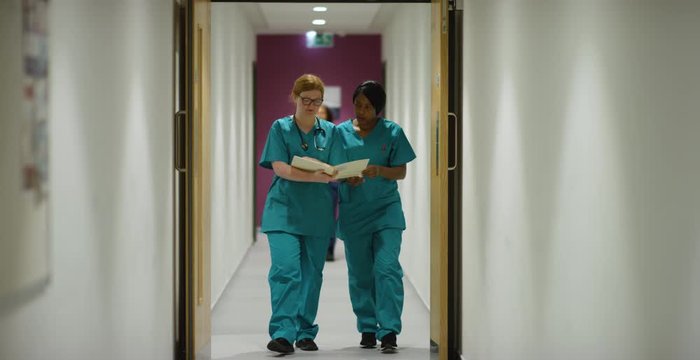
{"x":192,"y":135}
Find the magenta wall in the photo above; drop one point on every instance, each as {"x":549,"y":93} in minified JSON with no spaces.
{"x":281,"y":59}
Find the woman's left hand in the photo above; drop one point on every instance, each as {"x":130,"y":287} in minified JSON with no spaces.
{"x":355,"y":180}
{"x":372,"y":171}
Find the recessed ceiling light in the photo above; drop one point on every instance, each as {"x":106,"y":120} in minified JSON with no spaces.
{"x":320,"y":8}
{"x":319,"y":22}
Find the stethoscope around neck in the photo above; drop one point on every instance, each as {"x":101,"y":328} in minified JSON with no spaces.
{"x":317,"y":131}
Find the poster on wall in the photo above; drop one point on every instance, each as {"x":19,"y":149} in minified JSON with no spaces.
{"x":34,"y":137}
{"x":25,"y":246}
{"x":331,"y":98}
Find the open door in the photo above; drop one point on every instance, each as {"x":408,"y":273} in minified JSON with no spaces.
{"x":438,"y":181}
{"x":192,"y":181}
{"x":454,"y":176}
{"x":181,"y":198}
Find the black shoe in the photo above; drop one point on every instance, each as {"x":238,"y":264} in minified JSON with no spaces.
{"x":280,"y":345}
{"x":389,"y":343}
{"x":369,"y":340}
{"x":307,"y":345}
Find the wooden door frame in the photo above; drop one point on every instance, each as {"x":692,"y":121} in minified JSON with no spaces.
{"x":199,"y":248}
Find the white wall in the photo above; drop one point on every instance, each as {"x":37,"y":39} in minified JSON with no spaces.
{"x":406,"y":50}
{"x":581,"y":173}
{"x":233,"y":158}
{"x":110,"y":295}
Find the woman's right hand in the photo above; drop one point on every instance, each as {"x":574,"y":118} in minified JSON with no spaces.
{"x":322,"y":177}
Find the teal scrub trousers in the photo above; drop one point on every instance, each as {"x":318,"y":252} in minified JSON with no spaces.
{"x":295,"y":281}
{"x":375,"y":279}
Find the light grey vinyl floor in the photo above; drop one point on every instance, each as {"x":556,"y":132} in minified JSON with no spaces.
{"x":239,"y":319}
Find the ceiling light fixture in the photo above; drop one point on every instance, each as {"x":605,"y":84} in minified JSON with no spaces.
{"x":320,"y":8}
{"x":319,"y":22}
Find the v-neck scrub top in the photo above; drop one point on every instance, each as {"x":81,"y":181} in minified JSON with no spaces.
{"x":301,"y":208}
{"x":375,"y":204}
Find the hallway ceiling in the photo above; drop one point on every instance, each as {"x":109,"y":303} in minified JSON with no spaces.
{"x":291,"y":18}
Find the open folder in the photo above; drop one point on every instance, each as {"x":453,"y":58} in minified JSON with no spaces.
{"x":345,"y":170}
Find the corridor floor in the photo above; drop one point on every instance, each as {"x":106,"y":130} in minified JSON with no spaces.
{"x":239,"y":319}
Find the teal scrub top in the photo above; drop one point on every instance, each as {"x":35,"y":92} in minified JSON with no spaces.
{"x":375,"y":204}
{"x":301,"y":208}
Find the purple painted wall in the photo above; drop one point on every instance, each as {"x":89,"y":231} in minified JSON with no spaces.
{"x":281,"y":59}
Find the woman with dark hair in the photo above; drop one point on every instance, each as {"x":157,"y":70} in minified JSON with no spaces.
{"x":371,"y":219}
{"x":298,"y":217}
{"x":324,"y":112}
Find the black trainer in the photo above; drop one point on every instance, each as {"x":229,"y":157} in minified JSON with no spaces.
{"x":389,"y":343}
{"x":369,"y":340}
{"x":307,"y":345}
{"x":280,"y":345}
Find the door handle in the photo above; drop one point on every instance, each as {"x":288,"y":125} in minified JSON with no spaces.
{"x":456,"y":137}
{"x":180,"y":133}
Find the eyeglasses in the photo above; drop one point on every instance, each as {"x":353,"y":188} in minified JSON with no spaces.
{"x":309,"y":101}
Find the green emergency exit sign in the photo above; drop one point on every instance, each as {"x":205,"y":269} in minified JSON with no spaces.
{"x":319,"y":40}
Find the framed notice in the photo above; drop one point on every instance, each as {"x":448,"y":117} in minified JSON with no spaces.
{"x":331,"y":98}
{"x":35,"y":60}
{"x":24,"y":247}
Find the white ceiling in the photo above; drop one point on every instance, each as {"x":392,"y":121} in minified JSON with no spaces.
{"x":292,"y":18}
